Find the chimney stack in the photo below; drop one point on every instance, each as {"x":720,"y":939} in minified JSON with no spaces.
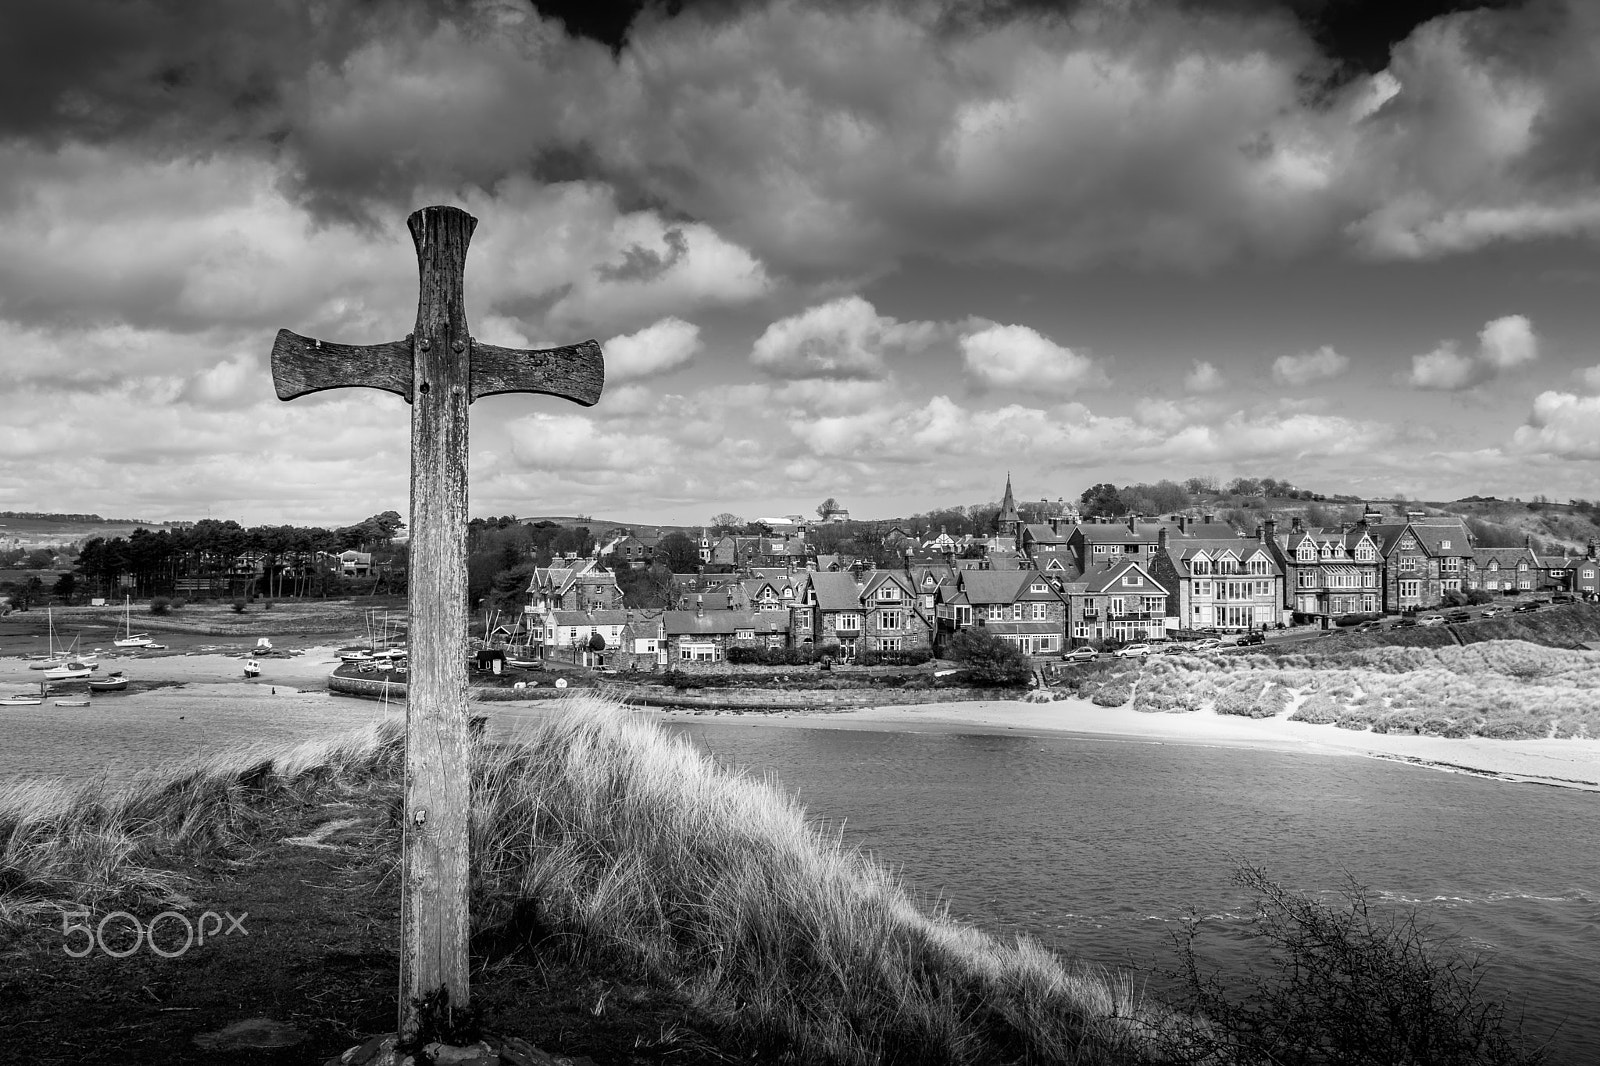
{"x":1207,"y":519}
{"x":1183,"y":522}
{"x":1271,"y":525}
{"x":699,"y":606}
{"x":1161,"y":539}
{"x":1294,"y":524}
{"x":1261,"y":533}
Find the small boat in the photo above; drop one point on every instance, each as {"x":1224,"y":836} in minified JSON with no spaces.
{"x":71,"y":671}
{"x":360,"y":655}
{"x":115,"y":683}
{"x":252,"y":668}
{"x":72,"y":703}
{"x":131,"y":639}
{"x":263,"y":645}
{"x":21,"y":701}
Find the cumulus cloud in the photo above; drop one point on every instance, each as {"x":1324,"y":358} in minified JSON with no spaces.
{"x":1022,"y":357}
{"x":1308,"y":367}
{"x":1509,"y":342}
{"x":1590,"y":376}
{"x":1504,"y":344}
{"x":660,"y":347}
{"x":1563,"y":425}
{"x":1203,"y":377}
{"x":844,"y":338}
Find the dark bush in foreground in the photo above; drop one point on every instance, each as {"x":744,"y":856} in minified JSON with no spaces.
{"x":1349,"y":986}
{"x":160,"y":605}
{"x":238,"y":606}
{"x":989,"y":659}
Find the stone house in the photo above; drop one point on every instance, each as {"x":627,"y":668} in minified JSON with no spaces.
{"x":1423,"y":558}
{"x":1233,"y":585}
{"x":1022,"y":606}
{"x":1119,"y":600}
{"x":1326,"y":572}
{"x":705,"y":636}
{"x":866,"y":610}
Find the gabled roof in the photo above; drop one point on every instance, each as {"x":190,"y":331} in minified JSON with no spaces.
{"x":1107,"y":577}
{"x":1184,"y":552}
{"x":838,"y":590}
{"x":590,"y":618}
{"x":1039,"y":533}
{"x":1508,"y":558}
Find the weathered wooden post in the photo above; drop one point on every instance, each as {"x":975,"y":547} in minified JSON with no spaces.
{"x":439,"y":369}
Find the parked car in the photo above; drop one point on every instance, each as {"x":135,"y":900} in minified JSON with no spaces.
{"x":1563,"y":597}
{"x":1457,"y":617}
{"x":1490,"y":612}
{"x":1207,"y":644}
{"x":1523,"y":608}
{"x":1133,"y":651}
{"x":1251,"y":638}
{"x":1081,"y":655}
{"x":1367,"y":627}
{"x":1405,"y":623}
{"x":1431,"y":620}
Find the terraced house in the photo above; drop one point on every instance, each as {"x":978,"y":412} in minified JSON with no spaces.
{"x":1233,"y":585}
{"x":1117,"y":600}
{"x":1327,"y":572}
{"x":1501,"y":570}
{"x":1423,"y":558}
{"x":1023,"y":606}
{"x":865,"y":610}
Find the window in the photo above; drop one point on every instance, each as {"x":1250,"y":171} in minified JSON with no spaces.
{"x":1308,"y":579}
{"x":1016,"y":612}
{"x":1258,"y":566}
{"x":1410,"y":589}
{"x":848,"y":622}
{"x":1363,"y":554}
{"x":963,"y":614}
{"x":1100,"y":549}
{"x":1451,"y":564}
{"x":889,"y":644}
{"x":1263,"y":588}
{"x":1202,"y":588}
{"x":1308,"y":554}
{"x":888,"y":619}
{"x":744,"y":634}
{"x":1524,"y":583}
{"x":1444,"y":545}
{"x":1080,"y":631}
{"x":1132,"y":580}
{"x":1200,"y":566}
{"x":1588,"y":573}
{"x":889,"y":591}
{"x":1449,"y":584}
{"x":1038,"y":586}
{"x":1522,"y":566}
{"x":1155,"y":604}
{"x":1369,"y":579}
{"x":1039,"y":614}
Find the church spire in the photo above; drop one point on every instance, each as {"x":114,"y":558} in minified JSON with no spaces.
{"x":1007,"y":521}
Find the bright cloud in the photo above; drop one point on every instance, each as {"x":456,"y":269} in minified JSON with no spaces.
{"x":844,"y":338}
{"x":662,"y":346}
{"x":1504,"y":344}
{"x":1590,"y":376}
{"x":1508,"y":342}
{"x":1563,"y":425}
{"x":1307,"y":367}
{"x":1022,"y":357}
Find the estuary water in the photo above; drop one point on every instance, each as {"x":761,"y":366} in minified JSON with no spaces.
{"x":1100,"y":847}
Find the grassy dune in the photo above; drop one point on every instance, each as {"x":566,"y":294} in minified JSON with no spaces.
{"x":619,"y":847}
{"x":1505,"y":689}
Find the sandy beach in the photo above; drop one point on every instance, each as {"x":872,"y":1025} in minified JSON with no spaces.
{"x":1567,"y":763}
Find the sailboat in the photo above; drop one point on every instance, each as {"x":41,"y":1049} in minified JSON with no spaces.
{"x":131,"y":639}
{"x":24,"y":700}
{"x":51,"y":660}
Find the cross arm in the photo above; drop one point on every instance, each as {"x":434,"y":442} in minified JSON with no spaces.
{"x":575,"y":372}
{"x":301,"y":365}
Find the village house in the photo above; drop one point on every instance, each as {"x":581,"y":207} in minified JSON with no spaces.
{"x":738,"y":551}
{"x":1423,"y":558}
{"x":643,"y":643}
{"x":1501,"y":570}
{"x":1118,"y":600}
{"x":705,"y":636}
{"x":1326,"y":572}
{"x":1021,"y":606}
{"x":866,"y":611}
{"x":575,"y":585}
{"x":566,"y":635}
{"x":1092,"y":543}
{"x":1232,"y":585}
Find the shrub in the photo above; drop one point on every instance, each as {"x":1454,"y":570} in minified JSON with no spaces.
{"x":1480,"y":596}
{"x":1234,"y":703}
{"x":1347,"y":985}
{"x":1352,"y":720}
{"x":160,"y":605}
{"x":1320,"y":709}
{"x":1455,"y":598}
{"x":1112,"y":694}
{"x":178,"y":602}
{"x":989,"y":659}
{"x":238,"y":606}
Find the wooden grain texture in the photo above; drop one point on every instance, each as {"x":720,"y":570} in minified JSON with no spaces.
{"x":576,"y":372}
{"x":302,"y":365}
{"x":435,"y":924}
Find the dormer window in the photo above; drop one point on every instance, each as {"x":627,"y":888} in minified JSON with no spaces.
{"x":889,"y":591}
{"x":1132,"y":580}
{"x":1038,"y":586}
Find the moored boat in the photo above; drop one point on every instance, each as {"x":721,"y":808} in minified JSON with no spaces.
{"x":115,"y":683}
{"x":252,"y":668}
{"x":72,"y":671}
{"x":130,"y":639}
{"x":21,"y":701}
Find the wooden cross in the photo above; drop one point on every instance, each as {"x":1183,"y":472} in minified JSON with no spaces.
{"x":439,"y":369}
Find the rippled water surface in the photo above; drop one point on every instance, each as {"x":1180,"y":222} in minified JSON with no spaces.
{"x":1100,"y":847}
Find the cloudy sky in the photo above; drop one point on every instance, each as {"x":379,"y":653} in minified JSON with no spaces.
{"x":878,"y":252}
